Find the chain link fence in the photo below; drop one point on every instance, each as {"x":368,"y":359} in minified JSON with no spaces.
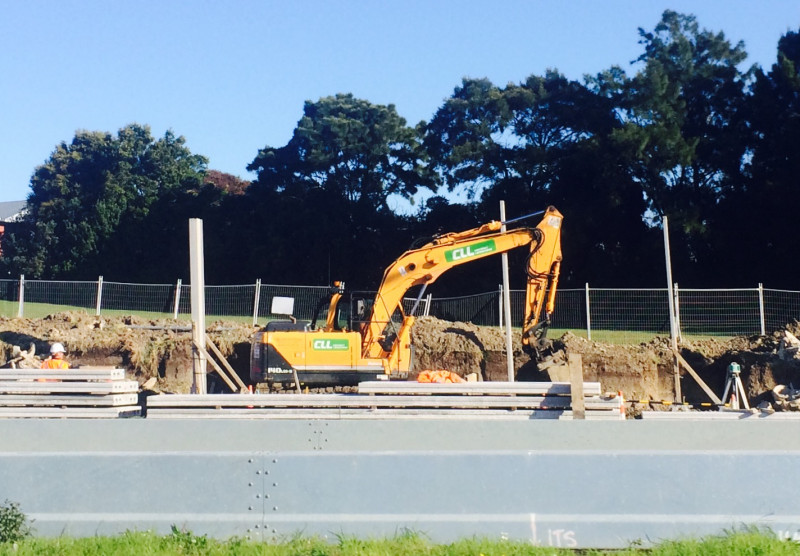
{"x":603,"y":314}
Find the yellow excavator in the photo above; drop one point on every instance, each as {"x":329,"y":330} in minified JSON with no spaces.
{"x":369,"y":338}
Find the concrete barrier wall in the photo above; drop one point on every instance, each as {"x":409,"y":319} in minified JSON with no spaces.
{"x":556,"y":483}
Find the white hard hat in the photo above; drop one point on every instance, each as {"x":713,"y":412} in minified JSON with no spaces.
{"x":57,"y":348}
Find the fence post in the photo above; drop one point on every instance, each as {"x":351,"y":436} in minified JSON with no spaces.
{"x":99,"y":296}
{"x":20,"y":308}
{"x":761,"y":308}
{"x":256,"y":299}
{"x":500,"y":303}
{"x":428,"y":302}
{"x":176,"y":305}
{"x":588,"y":318}
{"x":677,"y":312}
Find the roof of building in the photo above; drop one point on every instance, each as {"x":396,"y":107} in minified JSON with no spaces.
{"x":11,"y":210}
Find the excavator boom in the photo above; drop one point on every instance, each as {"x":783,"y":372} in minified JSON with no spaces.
{"x":422,"y":266}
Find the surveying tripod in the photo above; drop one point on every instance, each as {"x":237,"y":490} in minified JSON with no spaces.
{"x":734,"y":388}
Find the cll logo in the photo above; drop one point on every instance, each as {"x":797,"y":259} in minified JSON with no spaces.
{"x":330,"y":345}
{"x":469,"y":251}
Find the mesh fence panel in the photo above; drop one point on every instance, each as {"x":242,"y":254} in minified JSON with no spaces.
{"x":615,"y":315}
{"x":9,"y":298}
{"x":423,"y":305}
{"x":484,"y":309}
{"x":184,"y":302}
{"x":153,"y":299}
{"x":780,"y":308}
{"x":570,"y":310}
{"x":408,"y":305}
{"x":232,"y":301}
{"x":719,"y":312}
{"x":44,"y":297}
{"x":239,"y":301}
{"x":629,"y":315}
{"x":481,"y":309}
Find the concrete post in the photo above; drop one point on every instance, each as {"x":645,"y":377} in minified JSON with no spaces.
{"x":197,"y":276}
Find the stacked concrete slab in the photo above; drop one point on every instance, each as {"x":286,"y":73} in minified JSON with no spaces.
{"x":93,"y":392}
{"x":401,"y":399}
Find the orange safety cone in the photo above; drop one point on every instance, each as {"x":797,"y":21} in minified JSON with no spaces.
{"x":621,"y":403}
{"x":250,"y":389}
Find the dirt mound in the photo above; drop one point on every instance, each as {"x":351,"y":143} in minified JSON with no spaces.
{"x":146,"y":348}
{"x":162,"y":349}
{"x":642,"y":372}
{"x":461,"y":347}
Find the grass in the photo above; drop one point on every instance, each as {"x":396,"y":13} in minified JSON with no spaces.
{"x":179,"y":542}
{"x":41,"y":310}
{"x":629,"y":337}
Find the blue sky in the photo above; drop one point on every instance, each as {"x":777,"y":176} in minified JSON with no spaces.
{"x":231,"y":77}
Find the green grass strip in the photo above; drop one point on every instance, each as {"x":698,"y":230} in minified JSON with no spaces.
{"x":186,"y":543}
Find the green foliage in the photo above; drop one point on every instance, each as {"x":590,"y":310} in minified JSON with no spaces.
{"x":356,"y":151}
{"x":751,"y":542}
{"x":319,"y":209}
{"x":547,"y":140}
{"x":684,"y":125}
{"x":90,"y":201}
{"x":465,"y":137}
{"x":187,"y":542}
{"x":14,"y":525}
{"x":410,"y":544}
{"x":759,"y":209}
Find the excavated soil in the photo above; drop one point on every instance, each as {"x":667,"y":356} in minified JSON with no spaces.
{"x":162,"y":350}
{"x":159,"y":349}
{"x":643,"y":372}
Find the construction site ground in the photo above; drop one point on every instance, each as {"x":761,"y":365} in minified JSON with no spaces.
{"x":645,"y":372}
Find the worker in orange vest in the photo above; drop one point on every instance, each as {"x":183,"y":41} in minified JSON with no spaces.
{"x":56,"y":359}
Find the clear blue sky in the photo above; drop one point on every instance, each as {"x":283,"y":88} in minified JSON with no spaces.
{"x":231,"y":77}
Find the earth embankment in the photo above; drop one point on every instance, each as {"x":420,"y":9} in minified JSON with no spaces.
{"x":161,"y":350}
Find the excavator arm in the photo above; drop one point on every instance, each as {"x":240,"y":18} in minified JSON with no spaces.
{"x":543,"y":268}
{"x":423,"y":266}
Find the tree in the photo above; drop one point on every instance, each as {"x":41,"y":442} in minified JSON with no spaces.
{"x":684,"y":126}
{"x":328,"y":188}
{"x":547,"y":140}
{"x":505,"y":142}
{"x":356,"y":150}
{"x":465,"y":138}
{"x":568,"y":156}
{"x":754,"y":219}
{"x":89,"y":201}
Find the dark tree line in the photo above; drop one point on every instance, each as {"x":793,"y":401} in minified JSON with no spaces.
{"x":691,"y":134}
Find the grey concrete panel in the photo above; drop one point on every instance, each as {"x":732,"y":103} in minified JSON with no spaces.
{"x":600,"y":499}
{"x":299,"y":434}
{"x":105,"y":493}
{"x":585,"y":484}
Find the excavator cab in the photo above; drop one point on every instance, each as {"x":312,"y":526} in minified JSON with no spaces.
{"x":359,"y":309}
{"x":342,"y":312}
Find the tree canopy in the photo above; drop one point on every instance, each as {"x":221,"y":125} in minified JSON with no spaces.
{"x":92,"y":197}
{"x":328,"y":189}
